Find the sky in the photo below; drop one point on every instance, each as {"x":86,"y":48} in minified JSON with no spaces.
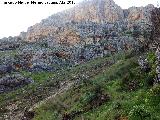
{"x":17,"y":18}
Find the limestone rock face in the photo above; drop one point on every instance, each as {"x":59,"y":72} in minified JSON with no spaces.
{"x":139,"y":13}
{"x":98,"y":11}
{"x":70,"y":26}
{"x":37,"y":32}
{"x":94,"y":28}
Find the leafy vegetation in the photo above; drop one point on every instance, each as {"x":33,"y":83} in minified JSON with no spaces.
{"x":120,"y":92}
{"x":104,"y":90}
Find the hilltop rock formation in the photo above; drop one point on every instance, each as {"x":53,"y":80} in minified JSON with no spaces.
{"x":139,"y":13}
{"x":90,"y":22}
{"x":91,"y":29}
{"x":63,"y":26}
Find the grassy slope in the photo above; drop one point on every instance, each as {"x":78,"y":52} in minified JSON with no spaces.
{"x":46,"y":83}
{"x":127,"y":91}
{"x":130,"y":95}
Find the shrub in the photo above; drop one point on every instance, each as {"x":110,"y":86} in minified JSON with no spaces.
{"x":151,"y":57}
{"x":88,"y":97}
{"x":91,"y":95}
{"x":139,"y":112}
{"x":153,"y":97}
{"x":129,"y":81}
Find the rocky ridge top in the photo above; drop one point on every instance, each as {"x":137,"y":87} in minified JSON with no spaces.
{"x":60,"y":26}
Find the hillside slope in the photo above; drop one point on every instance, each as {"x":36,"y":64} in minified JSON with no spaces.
{"x":119,"y":92}
{"x":82,"y":64}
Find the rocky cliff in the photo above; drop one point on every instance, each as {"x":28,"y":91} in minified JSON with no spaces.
{"x":100,"y":12}
{"x":94,"y":28}
{"x":91,"y":29}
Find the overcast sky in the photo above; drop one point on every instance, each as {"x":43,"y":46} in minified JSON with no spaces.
{"x":17,"y":18}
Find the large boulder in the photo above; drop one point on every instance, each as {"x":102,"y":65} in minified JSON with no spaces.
{"x":5,"y":69}
{"x":12,"y":82}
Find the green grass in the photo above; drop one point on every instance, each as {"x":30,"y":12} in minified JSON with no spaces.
{"x":127,"y":89}
{"x":44,"y":86}
{"x":38,"y":76}
{"x":126,"y":101}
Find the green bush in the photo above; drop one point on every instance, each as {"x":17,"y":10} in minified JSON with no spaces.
{"x":153,"y":97}
{"x":91,"y":94}
{"x":88,"y":97}
{"x":151,"y":58}
{"x":139,"y":112}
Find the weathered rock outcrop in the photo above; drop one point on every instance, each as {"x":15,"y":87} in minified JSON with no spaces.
{"x":11,"y":82}
{"x":58,"y":26}
{"x":98,"y":11}
{"x":91,"y":29}
{"x":138,"y":13}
